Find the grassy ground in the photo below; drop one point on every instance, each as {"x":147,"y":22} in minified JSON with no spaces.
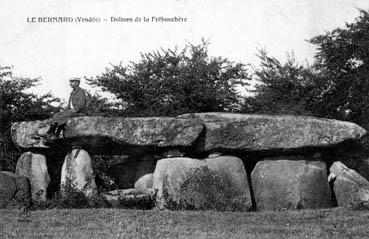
{"x":115,"y":223}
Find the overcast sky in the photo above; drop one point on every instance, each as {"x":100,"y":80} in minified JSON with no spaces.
{"x":235,"y":28}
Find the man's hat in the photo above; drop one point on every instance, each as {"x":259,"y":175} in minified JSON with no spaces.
{"x":75,"y":79}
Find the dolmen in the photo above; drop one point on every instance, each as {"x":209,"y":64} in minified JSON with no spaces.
{"x":221,"y":161}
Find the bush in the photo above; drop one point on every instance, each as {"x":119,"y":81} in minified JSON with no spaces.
{"x":19,"y":202}
{"x":70,"y":197}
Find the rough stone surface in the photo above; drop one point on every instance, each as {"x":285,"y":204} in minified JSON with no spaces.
{"x":172,"y":154}
{"x":290,"y":184}
{"x":350,"y":188}
{"x":226,"y":131}
{"x":153,"y":131}
{"x":233,"y":168}
{"x":14,"y":187}
{"x":169,"y":175}
{"x":129,"y":197}
{"x":33,"y":166}
{"x":215,"y":154}
{"x":77,"y":170}
{"x":8,"y":188}
{"x":188,"y":183}
{"x":23,"y":132}
{"x":144,"y":183}
{"x":23,"y":189}
{"x":223,"y":131}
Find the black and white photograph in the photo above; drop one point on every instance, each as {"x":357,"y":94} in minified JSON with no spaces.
{"x":184,"y":119}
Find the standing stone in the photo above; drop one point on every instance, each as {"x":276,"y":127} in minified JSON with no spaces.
{"x":186,"y":183}
{"x":33,"y":166}
{"x":7,"y":189}
{"x":144,"y":183}
{"x":290,"y":184}
{"x":350,"y":188}
{"x":77,"y":170}
{"x":232,"y":168}
{"x":169,"y":176}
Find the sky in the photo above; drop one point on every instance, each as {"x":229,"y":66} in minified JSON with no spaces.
{"x":57,"y":51}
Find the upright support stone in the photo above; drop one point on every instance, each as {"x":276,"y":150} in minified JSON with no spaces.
{"x":216,"y":183}
{"x":33,"y":166}
{"x":169,"y":176}
{"x":232,"y":168}
{"x":77,"y":170}
{"x":285,"y":183}
{"x":350,"y":188}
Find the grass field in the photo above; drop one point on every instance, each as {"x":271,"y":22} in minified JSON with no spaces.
{"x":118,"y":223}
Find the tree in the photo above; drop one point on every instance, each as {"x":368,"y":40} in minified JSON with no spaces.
{"x":342,"y":60}
{"x":17,"y":105}
{"x":171,"y":82}
{"x":335,"y":86}
{"x":100,"y":106}
{"x":287,"y":88}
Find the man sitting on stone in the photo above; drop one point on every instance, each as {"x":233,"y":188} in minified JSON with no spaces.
{"x":76,"y":107}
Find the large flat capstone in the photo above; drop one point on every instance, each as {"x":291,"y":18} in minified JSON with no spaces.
{"x":200,"y":131}
{"x":145,"y":131}
{"x":228,"y":131}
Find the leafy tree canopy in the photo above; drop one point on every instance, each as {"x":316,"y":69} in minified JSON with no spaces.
{"x":17,"y":105}
{"x":287,"y":88}
{"x":342,"y":60}
{"x":171,"y":82}
{"x":98,"y":105}
{"x":335,"y":86}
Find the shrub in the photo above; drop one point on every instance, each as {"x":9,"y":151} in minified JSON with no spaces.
{"x":70,"y":197}
{"x":19,"y":202}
